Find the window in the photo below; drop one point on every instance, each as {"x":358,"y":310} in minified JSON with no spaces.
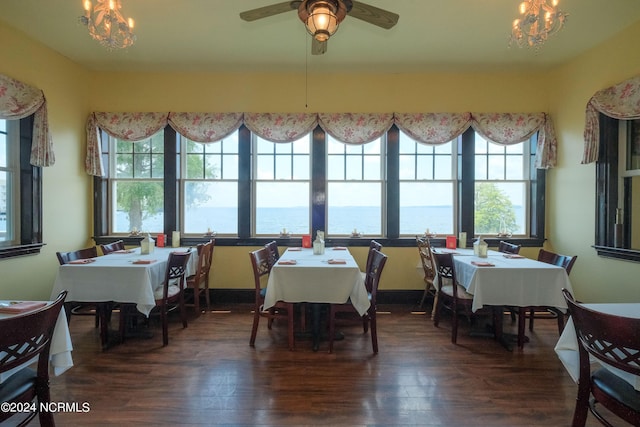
{"x":9,"y":181}
{"x":282,"y":186}
{"x":137,"y":187}
{"x":250,"y":189}
{"x":20,"y":191}
{"x":211,"y":186}
{"x":427,"y":187}
{"x":354,"y":188}
{"x":501,"y":178}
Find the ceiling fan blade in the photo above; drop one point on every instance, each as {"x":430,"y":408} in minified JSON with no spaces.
{"x":266,"y":11}
{"x":373,"y":15}
{"x":318,"y":48}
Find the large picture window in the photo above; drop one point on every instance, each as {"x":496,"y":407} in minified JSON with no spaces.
{"x":282,"y":186}
{"x":247,"y":188}
{"x":211,"y":186}
{"x":9,"y":181}
{"x":354,"y":194}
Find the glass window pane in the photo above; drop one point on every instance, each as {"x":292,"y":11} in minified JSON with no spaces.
{"x":334,"y":147}
{"x":514,"y":167}
{"x":335,"y":167}
{"x":496,"y":167}
{"x":211,"y":205}
{"x":426,"y":205}
{"x":283,"y":167}
{"x":424,"y":148}
{"x":354,"y":168}
{"x":425,"y":167}
{"x":354,"y":206}
{"x":500,"y":208}
{"x":406,"y":145}
{"x":481,"y":167}
{"x":283,"y":147}
{"x":264,"y":146}
{"x":496,"y":148}
{"x":195,"y":168}
{"x":301,"y":167}
{"x":282,"y":205}
{"x":514,"y":148}
{"x":353,"y":148}
{"x":213,"y":147}
{"x":443,"y":168}
{"x":371,"y":167}
{"x":371,"y":147}
{"x":230,"y":166}
{"x":301,"y":146}
{"x":264,"y":167}
{"x":5,"y":204}
{"x":480,"y":145}
{"x":124,"y":166}
{"x":138,"y":205}
{"x":213,"y":167}
{"x":158,"y":165}
{"x":3,"y":149}
{"x":407,"y":167}
{"x":230,"y":143}
{"x":443,"y":148}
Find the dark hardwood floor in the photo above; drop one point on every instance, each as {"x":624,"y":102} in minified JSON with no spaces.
{"x":209,"y":375}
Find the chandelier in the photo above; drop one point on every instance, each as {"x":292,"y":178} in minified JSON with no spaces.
{"x":538,"y":20}
{"x":322,"y":17}
{"x":106,"y":24}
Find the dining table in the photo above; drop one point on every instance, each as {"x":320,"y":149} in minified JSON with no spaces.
{"x":510,"y":280}
{"x":124,"y":276}
{"x":60,"y":358}
{"x":332,"y":277}
{"x":567,"y":346}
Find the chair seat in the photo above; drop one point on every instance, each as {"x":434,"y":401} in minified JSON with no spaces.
{"x":172,"y":291}
{"x":617,"y":388}
{"x":17,"y":385}
{"x":462,"y":292}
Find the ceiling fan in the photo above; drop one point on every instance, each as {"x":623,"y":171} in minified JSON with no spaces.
{"x":322,"y":17}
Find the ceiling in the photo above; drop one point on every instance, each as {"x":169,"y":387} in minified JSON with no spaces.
{"x":209,"y":36}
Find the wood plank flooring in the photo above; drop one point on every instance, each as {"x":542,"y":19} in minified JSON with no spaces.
{"x":209,"y":375}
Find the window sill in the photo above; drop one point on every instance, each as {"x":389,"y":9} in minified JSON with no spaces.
{"x":618,"y":253}
{"x":20,"y":250}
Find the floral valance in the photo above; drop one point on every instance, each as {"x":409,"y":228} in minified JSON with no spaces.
{"x":19,"y":100}
{"x":350,"y":128}
{"x":621,"y":101}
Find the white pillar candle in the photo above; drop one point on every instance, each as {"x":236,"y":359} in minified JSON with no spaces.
{"x":175,"y":239}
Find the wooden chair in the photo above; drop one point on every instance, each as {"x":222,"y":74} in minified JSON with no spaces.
{"x":429,"y":268}
{"x":450,"y":294}
{"x":372,"y":245}
{"x":100,"y":308}
{"x":508,"y":248}
{"x":373,"y":273}
{"x":107,"y":248}
{"x":170,"y":293}
{"x":261,"y":261}
{"x":23,"y":338}
{"x":563,"y":261}
{"x":273,"y":251}
{"x":86,"y":253}
{"x":199,"y":281}
{"x":614,"y":341}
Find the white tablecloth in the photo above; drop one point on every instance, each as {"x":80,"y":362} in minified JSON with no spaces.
{"x":115,"y":278}
{"x":517,"y":282}
{"x":567,"y":346}
{"x":313,"y":279}
{"x":61,"y":347}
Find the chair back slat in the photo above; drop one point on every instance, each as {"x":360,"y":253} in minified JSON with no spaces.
{"x":28,"y":335}
{"x":372,"y":277}
{"x":613,"y":339}
{"x":261,"y":261}
{"x":108,"y":248}
{"x":66,"y":257}
{"x":273,"y":251}
{"x":564,"y":261}
{"x":508,"y":248}
{"x":426,"y":258}
{"x":175,"y":272}
{"x":446,"y":270}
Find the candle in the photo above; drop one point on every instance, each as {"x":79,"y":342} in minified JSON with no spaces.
{"x":284,"y":231}
{"x":175,"y":239}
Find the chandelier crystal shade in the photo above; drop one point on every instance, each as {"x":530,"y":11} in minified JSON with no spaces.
{"x":322,"y":17}
{"x":538,"y":20}
{"x":107,"y":25}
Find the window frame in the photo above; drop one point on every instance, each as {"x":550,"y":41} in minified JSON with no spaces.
{"x":465,"y":188}
{"x":30,"y":199}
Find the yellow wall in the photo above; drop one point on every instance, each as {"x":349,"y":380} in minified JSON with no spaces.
{"x":67,"y":207}
{"x":73,"y":92}
{"x":571,"y":186}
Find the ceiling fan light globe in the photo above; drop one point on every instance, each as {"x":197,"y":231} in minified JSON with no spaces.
{"x":322,"y":21}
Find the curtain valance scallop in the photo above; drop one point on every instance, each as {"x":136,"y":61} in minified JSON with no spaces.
{"x":621,"y":101}
{"x":350,"y":128}
{"x":19,"y":100}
